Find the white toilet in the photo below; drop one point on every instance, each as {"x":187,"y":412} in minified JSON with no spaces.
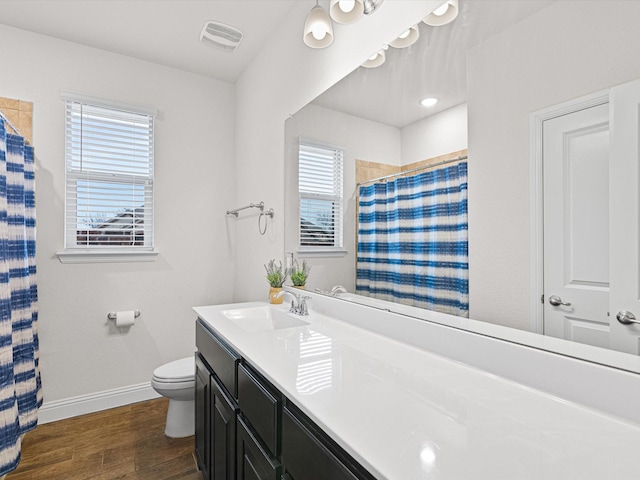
{"x":176,"y":381}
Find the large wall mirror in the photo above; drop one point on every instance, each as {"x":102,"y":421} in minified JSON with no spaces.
{"x":375,"y":115}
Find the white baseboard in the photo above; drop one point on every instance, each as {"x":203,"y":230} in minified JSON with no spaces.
{"x":95,"y":402}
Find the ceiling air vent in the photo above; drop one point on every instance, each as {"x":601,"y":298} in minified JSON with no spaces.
{"x":221,"y":36}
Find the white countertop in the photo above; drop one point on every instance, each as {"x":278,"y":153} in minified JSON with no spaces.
{"x":407,"y":414}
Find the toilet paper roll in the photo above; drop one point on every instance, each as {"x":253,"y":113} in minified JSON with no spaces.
{"x":125,"y":318}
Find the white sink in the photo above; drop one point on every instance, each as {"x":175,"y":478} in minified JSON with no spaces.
{"x":258,"y":319}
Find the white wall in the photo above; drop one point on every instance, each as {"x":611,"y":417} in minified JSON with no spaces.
{"x":362,"y":140}
{"x":437,"y":135}
{"x":283,"y":78}
{"x":565,"y":51}
{"x":81,"y":352}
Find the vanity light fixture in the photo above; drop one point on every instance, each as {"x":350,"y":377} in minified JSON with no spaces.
{"x":318,"y":30}
{"x":407,"y":38}
{"x":446,"y":13}
{"x":375,"y":60}
{"x":346,"y":11}
{"x":428,"y":102}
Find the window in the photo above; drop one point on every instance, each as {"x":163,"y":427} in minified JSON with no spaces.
{"x":109,"y":177}
{"x":320,"y":189}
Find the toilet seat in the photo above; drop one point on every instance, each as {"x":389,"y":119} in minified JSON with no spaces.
{"x":178,"y":371}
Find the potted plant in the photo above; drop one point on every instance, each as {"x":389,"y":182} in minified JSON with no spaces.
{"x":299,"y":273}
{"x":276,"y":275}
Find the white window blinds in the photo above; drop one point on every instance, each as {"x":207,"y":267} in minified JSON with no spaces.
{"x":320,"y":188}
{"x":109,"y":177}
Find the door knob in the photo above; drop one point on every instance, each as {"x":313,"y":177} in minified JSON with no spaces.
{"x":556,"y":301}
{"x":626,"y":318}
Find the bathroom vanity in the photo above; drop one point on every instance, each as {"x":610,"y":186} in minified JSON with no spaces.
{"x":285,"y":397}
{"x":247,"y":429}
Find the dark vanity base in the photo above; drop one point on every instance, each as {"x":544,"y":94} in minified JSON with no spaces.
{"x":246,"y":429}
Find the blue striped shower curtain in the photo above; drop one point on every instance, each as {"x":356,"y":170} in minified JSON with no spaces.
{"x":413,"y":240}
{"x":20,"y":386}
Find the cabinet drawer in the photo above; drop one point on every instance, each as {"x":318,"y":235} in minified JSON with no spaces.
{"x":222,"y":359}
{"x":308,"y":456}
{"x":261,"y":404}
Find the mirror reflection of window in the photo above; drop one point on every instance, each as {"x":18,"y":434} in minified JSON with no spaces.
{"x":320,"y":172}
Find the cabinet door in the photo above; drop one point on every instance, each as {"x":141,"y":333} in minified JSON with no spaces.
{"x":306,"y":457}
{"x":203,"y":424}
{"x":254,"y":463}
{"x":223,"y":434}
{"x":261,"y":404}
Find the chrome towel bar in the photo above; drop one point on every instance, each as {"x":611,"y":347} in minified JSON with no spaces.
{"x":251,"y":205}
{"x":260,"y":206}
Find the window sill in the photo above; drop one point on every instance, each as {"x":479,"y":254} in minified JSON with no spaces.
{"x":320,"y":253}
{"x":106,"y":256}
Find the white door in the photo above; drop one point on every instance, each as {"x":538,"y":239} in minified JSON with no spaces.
{"x":576,"y":226}
{"x":624,"y":220}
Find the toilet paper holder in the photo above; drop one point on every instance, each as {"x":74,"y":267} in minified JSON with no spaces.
{"x":114,"y":315}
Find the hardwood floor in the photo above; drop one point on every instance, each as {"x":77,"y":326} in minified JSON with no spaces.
{"x":124,"y":443}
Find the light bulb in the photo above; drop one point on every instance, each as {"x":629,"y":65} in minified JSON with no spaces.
{"x":318,"y":31}
{"x":347,"y":5}
{"x":441,"y":10}
{"x":375,"y":60}
{"x":444,"y":14}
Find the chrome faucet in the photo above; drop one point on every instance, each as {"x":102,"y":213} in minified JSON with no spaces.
{"x":336,"y":290}
{"x":294,"y":298}
{"x":298,"y":302}
{"x":303,"y":309}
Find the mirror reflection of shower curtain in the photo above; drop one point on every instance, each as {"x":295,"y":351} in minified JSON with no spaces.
{"x":413,"y":240}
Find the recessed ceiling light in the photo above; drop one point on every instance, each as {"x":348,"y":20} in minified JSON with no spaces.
{"x":428,"y":102}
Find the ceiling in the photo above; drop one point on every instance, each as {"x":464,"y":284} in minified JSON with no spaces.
{"x":160,"y":31}
{"x":167,"y":32}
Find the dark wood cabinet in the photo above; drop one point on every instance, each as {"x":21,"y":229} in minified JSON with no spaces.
{"x":216,"y":406}
{"x":221,"y":358}
{"x":309,"y":454}
{"x":261,"y":404}
{"x":223,"y":412}
{"x":247,"y":430}
{"x":254,"y":462}
{"x":203,"y":423}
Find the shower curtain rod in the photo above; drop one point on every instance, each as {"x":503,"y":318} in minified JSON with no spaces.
{"x":417,"y":169}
